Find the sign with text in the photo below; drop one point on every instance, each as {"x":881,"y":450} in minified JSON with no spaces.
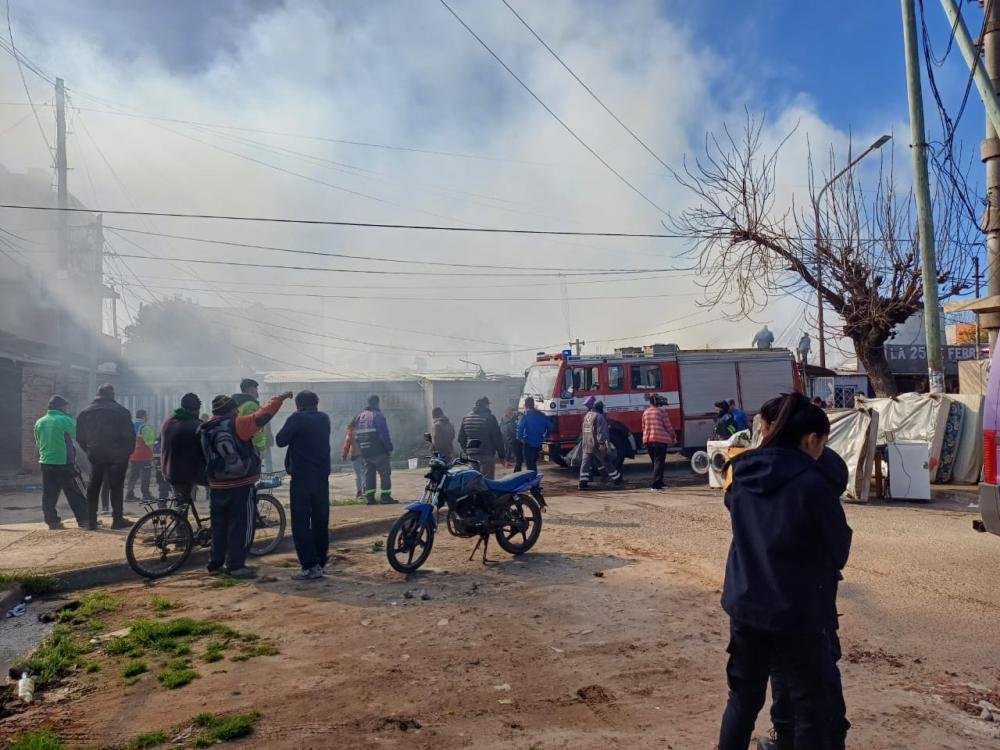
{"x":912,"y":359}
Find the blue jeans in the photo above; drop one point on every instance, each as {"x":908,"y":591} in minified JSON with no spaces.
{"x":531,"y":456}
{"x":231,"y":512}
{"x":359,"y":476}
{"x":310,"y":503}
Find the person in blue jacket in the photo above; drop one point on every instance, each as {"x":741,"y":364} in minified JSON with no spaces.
{"x":740,"y":419}
{"x":532,"y":429}
{"x":790,"y":542}
{"x":306,"y":434}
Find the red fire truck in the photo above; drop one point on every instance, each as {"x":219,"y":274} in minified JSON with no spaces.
{"x":691,"y":381}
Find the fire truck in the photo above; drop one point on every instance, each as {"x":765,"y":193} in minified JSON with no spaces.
{"x":690,"y":381}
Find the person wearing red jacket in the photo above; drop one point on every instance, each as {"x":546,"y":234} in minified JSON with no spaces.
{"x":233,"y":468}
{"x":657,"y":434}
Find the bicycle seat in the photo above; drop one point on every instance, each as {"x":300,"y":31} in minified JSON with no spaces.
{"x":512,"y":482}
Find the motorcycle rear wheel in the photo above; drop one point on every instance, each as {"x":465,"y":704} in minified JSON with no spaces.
{"x":522,"y":524}
{"x":409,"y":543}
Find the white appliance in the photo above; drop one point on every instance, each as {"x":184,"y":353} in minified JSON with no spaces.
{"x":718,"y":454}
{"x":909,"y":470}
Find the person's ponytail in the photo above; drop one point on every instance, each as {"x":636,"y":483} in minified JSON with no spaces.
{"x":790,"y":417}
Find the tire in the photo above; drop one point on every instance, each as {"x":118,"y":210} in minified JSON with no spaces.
{"x":621,"y":449}
{"x":159,"y":543}
{"x":269,"y":525}
{"x":408,"y":534}
{"x":523,"y":518}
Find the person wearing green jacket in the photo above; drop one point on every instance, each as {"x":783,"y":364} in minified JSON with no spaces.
{"x":248,"y":402}
{"x":54,"y":436}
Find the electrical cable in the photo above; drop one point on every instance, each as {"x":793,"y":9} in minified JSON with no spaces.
{"x":41,"y":130}
{"x":558,"y":119}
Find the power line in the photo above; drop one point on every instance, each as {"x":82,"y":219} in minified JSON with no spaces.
{"x":377,"y":259}
{"x":20,"y":70}
{"x":548,"y":109}
{"x":586,"y":88}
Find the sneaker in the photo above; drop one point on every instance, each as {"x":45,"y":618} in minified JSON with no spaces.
{"x":213,"y":569}
{"x":389,"y":500}
{"x":122,"y":523}
{"x":243,"y":572}
{"x":132,"y":498}
{"x":583,"y":485}
{"x":56,"y":526}
{"x":619,"y":481}
{"x":371,"y":501}
{"x":308,"y":574}
{"x":774,"y":742}
{"x":656,"y":489}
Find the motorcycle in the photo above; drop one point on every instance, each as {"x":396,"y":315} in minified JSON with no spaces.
{"x":509,"y":509}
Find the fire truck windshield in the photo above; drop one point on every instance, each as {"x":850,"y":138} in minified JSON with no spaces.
{"x":541,"y":381}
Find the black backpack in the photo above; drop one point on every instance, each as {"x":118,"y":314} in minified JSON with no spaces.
{"x":226,"y":456}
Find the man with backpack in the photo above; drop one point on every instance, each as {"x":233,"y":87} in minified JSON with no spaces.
{"x":233,"y":468}
{"x":481,"y":426}
{"x":104,"y":430}
{"x":371,"y":431}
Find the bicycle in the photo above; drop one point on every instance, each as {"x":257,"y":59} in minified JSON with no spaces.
{"x":161,"y":541}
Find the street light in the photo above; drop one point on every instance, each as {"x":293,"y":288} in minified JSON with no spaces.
{"x":884,"y":139}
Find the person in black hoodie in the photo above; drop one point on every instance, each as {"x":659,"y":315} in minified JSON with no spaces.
{"x":104,"y":430}
{"x":181,"y":455}
{"x":790,"y":542}
{"x":306,"y":433}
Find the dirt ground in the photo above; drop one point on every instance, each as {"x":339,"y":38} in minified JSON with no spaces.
{"x":608,"y":634}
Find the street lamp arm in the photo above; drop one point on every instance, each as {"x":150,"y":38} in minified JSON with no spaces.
{"x":876,"y":145}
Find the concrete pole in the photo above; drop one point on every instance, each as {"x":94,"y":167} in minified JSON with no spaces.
{"x":97,"y":285}
{"x":62,"y":271}
{"x":922,"y":191}
{"x":990,"y":153}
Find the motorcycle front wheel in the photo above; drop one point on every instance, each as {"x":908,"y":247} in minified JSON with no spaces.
{"x":521,"y":524}
{"x":409,"y":543}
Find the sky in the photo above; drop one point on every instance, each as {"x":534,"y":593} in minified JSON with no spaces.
{"x":406,"y":74}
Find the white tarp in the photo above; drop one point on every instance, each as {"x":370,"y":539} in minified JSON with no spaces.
{"x":853,"y":437}
{"x":969,"y":459}
{"x":913,"y":416}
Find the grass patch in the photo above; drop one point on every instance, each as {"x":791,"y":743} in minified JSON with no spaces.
{"x":378,"y":546}
{"x":88,"y":606}
{"x":149,"y":739}
{"x":223,"y":728}
{"x":38,"y":739}
{"x":225,"y":582}
{"x":161,"y":603}
{"x":339,"y":503}
{"x":214,"y":651}
{"x":32,"y":585}
{"x":176,"y":673}
{"x":56,"y":656}
{"x":134,"y":667}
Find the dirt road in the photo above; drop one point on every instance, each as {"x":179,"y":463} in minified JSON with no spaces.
{"x":609,"y":634}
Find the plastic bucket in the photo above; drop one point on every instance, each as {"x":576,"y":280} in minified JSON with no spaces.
{"x":414,"y":462}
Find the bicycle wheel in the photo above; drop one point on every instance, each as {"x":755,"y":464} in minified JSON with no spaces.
{"x":269,"y":525}
{"x":159,"y":543}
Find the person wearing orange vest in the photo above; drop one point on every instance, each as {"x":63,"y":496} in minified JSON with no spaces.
{"x":657,"y":434}
{"x":140,"y":463}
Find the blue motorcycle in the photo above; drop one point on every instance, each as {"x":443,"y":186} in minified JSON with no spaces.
{"x":510,"y":509}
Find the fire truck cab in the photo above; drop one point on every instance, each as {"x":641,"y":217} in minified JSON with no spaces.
{"x":690,"y":381}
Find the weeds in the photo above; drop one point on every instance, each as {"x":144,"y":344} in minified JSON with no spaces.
{"x":378,"y":545}
{"x":38,"y":739}
{"x":88,"y":607}
{"x":223,"y":728}
{"x":225,"y":582}
{"x":176,"y":673}
{"x":32,"y":585}
{"x":214,"y":651}
{"x":55,"y":657}
{"x":161,"y":603}
{"x":134,"y":668}
{"x":149,"y":739}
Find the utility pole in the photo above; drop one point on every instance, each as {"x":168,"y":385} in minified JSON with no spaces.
{"x":97,"y":286}
{"x":922,"y":191}
{"x":62,"y":270}
{"x":990,"y":153}
{"x":975,"y":266}
{"x":578,"y":345}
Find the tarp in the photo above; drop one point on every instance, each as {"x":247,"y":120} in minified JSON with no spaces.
{"x":969,"y":459}
{"x":913,"y":416}
{"x":853,"y":437}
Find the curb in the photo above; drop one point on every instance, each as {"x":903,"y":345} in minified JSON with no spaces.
{"x":110,"y":573}
{"x":10,"y":597}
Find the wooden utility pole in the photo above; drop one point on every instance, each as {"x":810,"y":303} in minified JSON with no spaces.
{"x":578,"y":345}
{"x":922,"y":194}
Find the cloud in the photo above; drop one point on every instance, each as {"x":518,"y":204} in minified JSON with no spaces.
{"x":399,"y":73}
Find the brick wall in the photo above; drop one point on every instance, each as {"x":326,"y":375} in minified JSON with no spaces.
{"x":38,"y":384}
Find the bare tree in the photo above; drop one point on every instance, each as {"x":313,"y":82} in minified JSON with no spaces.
{"x":750,"y":251}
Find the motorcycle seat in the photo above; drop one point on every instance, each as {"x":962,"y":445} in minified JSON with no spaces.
{"x":511,"y":482}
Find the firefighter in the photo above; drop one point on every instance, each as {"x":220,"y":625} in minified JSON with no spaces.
{"x":594,"y":447}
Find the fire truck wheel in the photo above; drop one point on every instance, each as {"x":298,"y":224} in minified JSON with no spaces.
{"x":621,"y":447}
